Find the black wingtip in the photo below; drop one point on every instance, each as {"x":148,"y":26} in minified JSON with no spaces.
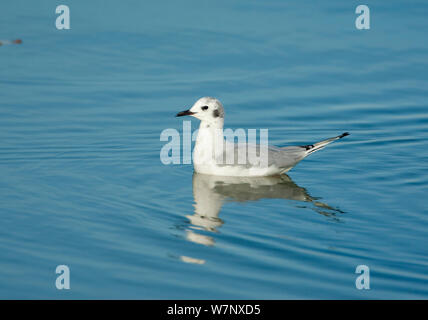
{"x":344,"y":135}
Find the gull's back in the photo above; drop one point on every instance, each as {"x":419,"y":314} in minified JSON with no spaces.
{"x":255,"y":159}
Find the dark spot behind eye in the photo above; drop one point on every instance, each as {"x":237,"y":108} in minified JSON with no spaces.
{"x":216,"y":113}
{"x":204,"y":108}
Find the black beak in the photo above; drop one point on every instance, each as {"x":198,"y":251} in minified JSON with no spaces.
{"x":185,"y":113}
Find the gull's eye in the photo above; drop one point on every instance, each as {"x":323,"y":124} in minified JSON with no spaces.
{"x":204,"y":108}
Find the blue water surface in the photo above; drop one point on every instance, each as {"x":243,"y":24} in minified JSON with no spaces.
{"x":82,"y":184}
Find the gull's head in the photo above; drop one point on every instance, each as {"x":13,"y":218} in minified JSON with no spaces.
{"x":206,"y":109}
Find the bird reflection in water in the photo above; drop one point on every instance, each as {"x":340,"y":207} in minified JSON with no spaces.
{"x":210,"y":192}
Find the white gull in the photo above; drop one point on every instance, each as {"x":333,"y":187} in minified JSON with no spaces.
{"x":211,"y":151}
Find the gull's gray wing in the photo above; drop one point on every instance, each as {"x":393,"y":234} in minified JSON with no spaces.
{"x":279,"y":157}
{"x":282,"y":158}
{"x":287,"y":157}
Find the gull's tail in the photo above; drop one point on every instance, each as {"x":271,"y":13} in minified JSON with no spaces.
{"x":311,"y":148}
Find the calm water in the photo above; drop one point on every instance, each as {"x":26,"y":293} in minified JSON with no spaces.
{"x":82,"y":184}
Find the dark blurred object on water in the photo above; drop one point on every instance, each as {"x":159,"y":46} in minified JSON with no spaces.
{"x":4,"y":42}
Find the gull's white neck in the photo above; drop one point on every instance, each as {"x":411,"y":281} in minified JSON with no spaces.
{"x":210,"y":140}
{"x":212,"y":125}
